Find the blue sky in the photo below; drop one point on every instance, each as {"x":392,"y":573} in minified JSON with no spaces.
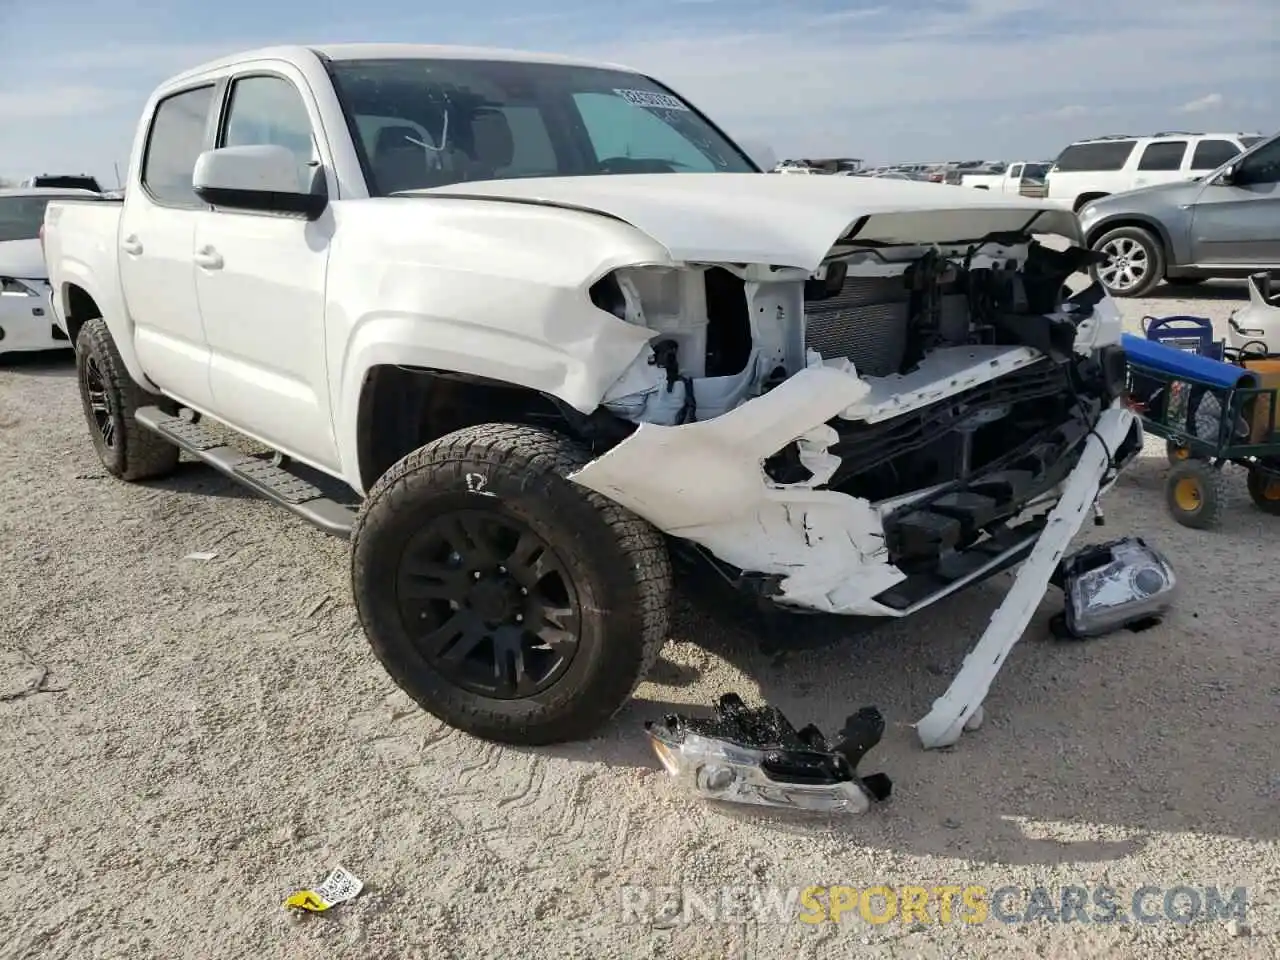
{"x":879,"y":79}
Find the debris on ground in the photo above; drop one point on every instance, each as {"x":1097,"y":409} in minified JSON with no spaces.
{"x":340,"y":886}
{"x":755,"y":756}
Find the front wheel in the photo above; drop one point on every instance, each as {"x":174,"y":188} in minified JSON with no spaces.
{"x":505,"y":599}
{"x":1195,"y":492}
{"x":110,"y":398}
{"x":1135,"y":261}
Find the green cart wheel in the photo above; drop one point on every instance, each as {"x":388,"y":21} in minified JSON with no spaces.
{"x":1195,"y":492}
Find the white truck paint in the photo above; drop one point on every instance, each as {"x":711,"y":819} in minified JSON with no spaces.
{"x":272,"y":301}
{"x":1010,"y":183}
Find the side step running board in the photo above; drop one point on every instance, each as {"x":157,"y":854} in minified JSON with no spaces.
{"x":265,"y":479}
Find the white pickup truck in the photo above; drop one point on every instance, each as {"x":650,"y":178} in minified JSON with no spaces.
{"x":1018,"y":179}
{"x":547,"y":326}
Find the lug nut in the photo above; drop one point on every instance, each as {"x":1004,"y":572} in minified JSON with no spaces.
{"x":519,"y":618}
{"x":476,"y":575}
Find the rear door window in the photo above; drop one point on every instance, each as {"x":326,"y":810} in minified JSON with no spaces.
{"x":1164,"y":155}
{"x":1211,"y":154}
{"x":175,"y":142}
{"x":1099,"y":157}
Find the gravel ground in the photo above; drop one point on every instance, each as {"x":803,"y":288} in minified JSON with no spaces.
{"x":206,"y":736}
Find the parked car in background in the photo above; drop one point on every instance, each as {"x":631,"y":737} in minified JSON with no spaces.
{"x":64,"y":181}
{"x":1016,"y":180}
{"x":1226,"y":224}
{"x":1089,"y":169}
{"x":26,"y":322}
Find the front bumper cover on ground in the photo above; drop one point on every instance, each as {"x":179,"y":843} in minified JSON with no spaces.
{"x":946,"y":721}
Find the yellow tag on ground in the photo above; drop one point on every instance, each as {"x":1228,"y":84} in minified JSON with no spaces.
{"x":341,"y":885}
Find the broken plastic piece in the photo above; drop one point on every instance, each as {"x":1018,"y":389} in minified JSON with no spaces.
{"x":340,"y":886}
{"x":1109,"y":586}
{"x":945,"y":722}
{"x":755,"y":756}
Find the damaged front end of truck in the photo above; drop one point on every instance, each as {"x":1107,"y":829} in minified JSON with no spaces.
{"x":872,"y":434}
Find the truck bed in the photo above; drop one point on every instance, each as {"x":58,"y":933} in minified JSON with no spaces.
{"x":81,"y":244}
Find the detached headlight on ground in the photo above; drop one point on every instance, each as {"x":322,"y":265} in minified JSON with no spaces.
{"x":755,"y":756}
{"x":1108,"y":586}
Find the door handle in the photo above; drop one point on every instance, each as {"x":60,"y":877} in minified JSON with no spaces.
{"x":209,"y":258}
{"x":131,"y":245}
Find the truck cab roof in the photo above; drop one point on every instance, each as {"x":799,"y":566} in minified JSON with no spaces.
{"x":386,"y":51}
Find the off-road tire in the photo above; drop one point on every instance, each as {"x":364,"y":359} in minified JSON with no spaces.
{"x":1208,"y":487}
{"x":1154,"y":250}
{"x":136,"y":453}
{"x":617,"y":561}
{"x":1262,"y":487}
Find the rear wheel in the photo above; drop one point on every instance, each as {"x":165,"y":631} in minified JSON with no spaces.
{"x":1264,"y":487}
{"x":110,"y":399}
{"x":1135,"y":261}
{"x":1176,"y":453}
{"x":504,"y":598}
{"x":1195,"y":493}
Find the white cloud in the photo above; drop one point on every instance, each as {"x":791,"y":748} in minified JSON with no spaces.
{"x":1210,"y":101}
{"x":58,"y":101}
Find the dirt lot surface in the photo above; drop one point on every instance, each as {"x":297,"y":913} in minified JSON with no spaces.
{"x":184,"y":742}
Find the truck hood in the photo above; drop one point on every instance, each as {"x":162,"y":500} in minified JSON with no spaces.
{"x":778,"y":220}
{"x":22,"y":259}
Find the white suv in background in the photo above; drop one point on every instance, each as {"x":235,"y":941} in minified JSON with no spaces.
{"x":1089,"y":169}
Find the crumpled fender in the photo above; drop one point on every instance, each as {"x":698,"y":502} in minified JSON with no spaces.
{"x":704,"y":482}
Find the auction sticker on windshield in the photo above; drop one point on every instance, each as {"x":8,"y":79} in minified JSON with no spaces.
{"x":651,"y":99}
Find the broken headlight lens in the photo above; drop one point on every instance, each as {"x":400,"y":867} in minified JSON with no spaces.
{"x":1109,"y":586}
{"x":755,"y":756}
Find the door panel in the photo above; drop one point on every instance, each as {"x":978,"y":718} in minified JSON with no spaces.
{"x":263,"y":308}
{"x":157,"y":236}
{"x":1240,"y":224}
{"x":260,"y":282}
{"x":1237,"y":225}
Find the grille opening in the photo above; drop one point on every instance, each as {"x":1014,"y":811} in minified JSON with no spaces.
{"x":728,"y":324}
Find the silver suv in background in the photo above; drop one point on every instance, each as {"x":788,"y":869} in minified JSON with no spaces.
{"x":1226,"y":224}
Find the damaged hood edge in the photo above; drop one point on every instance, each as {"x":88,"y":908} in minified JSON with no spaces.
{"x":776,"y":220}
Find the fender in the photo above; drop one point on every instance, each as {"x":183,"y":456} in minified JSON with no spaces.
{"x":110,"y":300}
{"x":497,"y":291}
{"x":1150,"y":223}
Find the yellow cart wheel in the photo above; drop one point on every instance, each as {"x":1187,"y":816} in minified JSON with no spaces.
{"x":1195,"y":493}
{"x":1176,"y":454}
{"x":1264,"y":488}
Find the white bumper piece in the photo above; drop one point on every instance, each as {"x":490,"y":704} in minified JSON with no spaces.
{"x":1255,"y":328}
{"x":963,"y":700}
{"x":26,"y":320}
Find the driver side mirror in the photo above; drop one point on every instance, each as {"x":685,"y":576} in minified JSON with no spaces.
{"x":262,"y":178}
{"x":1227,"y":177}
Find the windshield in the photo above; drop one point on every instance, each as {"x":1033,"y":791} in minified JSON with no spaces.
{"x":428,"y":123}
{"x":21,"y":217}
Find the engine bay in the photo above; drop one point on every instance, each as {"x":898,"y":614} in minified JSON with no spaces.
{"x":980,"y":374}
{"x":728,"y":333}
